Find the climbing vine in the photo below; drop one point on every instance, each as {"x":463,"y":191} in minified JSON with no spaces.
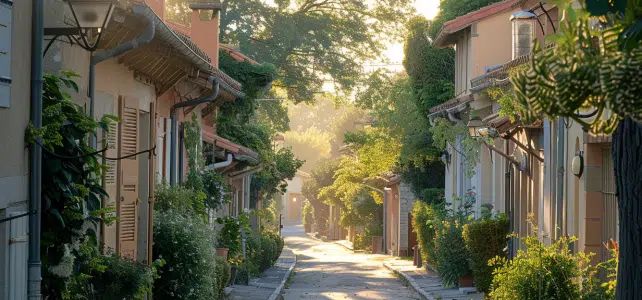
{"x":445,"y":134}
{"x":71,"y":198}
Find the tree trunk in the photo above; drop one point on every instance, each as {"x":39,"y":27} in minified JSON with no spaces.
{"x":627,"y":162}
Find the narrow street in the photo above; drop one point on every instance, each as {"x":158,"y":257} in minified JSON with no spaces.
{"x":325,"y":270}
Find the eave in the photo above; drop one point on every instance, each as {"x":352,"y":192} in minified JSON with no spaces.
{"x":169,"y":58}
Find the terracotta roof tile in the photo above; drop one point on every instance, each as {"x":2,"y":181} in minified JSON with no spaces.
{"x":468,"y":19}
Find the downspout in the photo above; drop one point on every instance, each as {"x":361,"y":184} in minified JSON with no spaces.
{"x":35,"y":152}
{"x":174,"y":112}
{"x":560,"y":175}
{"x":223,"y":164}
{"x":181,"y":153}
{"x":143,"y":39}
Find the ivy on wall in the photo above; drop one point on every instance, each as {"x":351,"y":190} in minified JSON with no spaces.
{"x":445,"y":134}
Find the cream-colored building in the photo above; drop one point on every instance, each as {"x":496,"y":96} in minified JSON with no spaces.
{"x":527,"y":169}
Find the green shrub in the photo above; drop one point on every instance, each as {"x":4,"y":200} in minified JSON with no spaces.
{"x":122,"y":278}
{"x":230,"y":234}
{"x":185,"y":243}
{"x":308,"y":213}
{"x":450,"y":251}
{"x":223,"y":274}
{"x":485,"y":239}
{"x":450,"y":248}
{"x":268,"y":252}
{"x":242,"y":275}
{"x":424,"y":218}
{"x":280,"y":243}
{"x":432,"y":196}
{"x":253,"y":255}
{"x":177,"y":199}
{"x":362,"y":241}
{"x":541,"y":271}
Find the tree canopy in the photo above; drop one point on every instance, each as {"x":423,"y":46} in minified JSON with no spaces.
{"x":313,"y":41}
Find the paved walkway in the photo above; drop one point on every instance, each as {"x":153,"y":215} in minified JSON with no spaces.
{"x":427,"y":283}
{"x":325,"y":270}
{"x":263,"y":287}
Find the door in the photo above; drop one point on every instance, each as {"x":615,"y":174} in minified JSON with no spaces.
{"x":128,"y":185}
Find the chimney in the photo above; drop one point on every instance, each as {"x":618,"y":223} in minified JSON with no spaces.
{"x":205,"y":27}
{"x":523,"y":28}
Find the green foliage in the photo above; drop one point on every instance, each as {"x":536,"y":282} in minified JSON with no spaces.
{"x":485,"y":239}
{"x":185,"y":243}
{"x":445,"y":133}
{"x":541,"y":271}
{"x":450,"y":247}
{"x":625,"y":13}
{"x":556,"y":81}
{"x":253,"y":78}
{"x":450,"y":9}
{"x":311,"y":41}
{"x":223,"y":274}
{"x":424,"y":220}
{"x":230,"y":234}
{"x":308,"y":213}
{"x":320,"y":177}
{"x":432,"y":196}
{"x":431,"y":70}
{"x":505,"y":97}
{"x":123,"y":278}
{"x":178,"y":199}
{"x":71,"y":190}
{"x":268,"y":252}
{"x":362,"y":241}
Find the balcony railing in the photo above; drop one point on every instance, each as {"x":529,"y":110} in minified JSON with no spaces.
{"x":500,"y":75}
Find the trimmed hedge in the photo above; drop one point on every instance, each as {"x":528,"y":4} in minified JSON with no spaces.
{"x":424,"y":218}
{"x":485,"y":239}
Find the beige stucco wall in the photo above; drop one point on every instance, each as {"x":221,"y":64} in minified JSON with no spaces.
{"x":14,"y":167}
{"x":492,"y":42}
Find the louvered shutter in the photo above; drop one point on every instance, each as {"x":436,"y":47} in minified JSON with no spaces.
{"x":128,"y":200}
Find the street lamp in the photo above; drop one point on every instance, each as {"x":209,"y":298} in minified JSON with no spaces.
{"x":91,"y":17}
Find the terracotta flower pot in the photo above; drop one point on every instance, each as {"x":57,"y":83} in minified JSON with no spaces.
{"x":222,"y":252}
{"x":466,"y":280}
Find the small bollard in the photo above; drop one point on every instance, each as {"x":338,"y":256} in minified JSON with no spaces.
{"x":415,"y":260}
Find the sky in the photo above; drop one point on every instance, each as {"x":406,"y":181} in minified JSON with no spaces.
{"x":428,"y":8}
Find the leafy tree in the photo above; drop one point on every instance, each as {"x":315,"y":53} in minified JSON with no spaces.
{"x":431,"y":70}
{"x":311,"y":145}
{"x":312,"y":40}
{"x":593,"y":69}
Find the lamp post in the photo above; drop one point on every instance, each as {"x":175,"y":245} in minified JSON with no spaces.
{"x":91,"y":18}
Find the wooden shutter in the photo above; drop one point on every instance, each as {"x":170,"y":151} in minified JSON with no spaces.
{"x":128,"y":185}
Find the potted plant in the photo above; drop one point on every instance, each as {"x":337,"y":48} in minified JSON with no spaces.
{"x":308,"y":216}
{"x":235,"y":262}
{"x":229,"y":237}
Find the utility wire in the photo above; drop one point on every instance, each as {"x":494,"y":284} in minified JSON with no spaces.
{"x":151,"y":152}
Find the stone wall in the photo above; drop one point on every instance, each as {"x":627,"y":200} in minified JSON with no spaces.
{"x":406,"y":199}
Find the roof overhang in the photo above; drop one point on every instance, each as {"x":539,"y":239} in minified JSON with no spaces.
{"x":169,"y":58}
{"x":448,"y":33}
{"x":451,"y":108}
{"x":244,"y":173}
{"x":241,"y":153}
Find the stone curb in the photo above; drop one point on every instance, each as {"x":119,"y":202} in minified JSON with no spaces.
{"x":424,"y":295}
{"x":344,"y":246}
{"x":277,"y":292}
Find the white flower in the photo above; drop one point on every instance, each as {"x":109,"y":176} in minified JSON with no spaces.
{"x":65,"y":268}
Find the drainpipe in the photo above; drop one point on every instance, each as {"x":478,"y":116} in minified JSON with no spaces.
{"x":35,"y":152}
{"x":174,"y":111}
{"x":223,"y":164}
{"x":181,"y":153}
{"x":560,"y":175}
{"x":143,"y":39}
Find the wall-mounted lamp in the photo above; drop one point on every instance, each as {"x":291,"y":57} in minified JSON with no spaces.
{"x":294,"y":199}
{"x":488,"y":132}
{"x":91,"y":17}
{"x":577,"y":165}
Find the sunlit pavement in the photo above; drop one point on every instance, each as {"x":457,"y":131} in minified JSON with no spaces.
{"x":329,"y":271}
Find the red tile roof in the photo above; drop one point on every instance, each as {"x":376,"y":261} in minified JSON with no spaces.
{"x":238,"y":56}
{"x":466,"y":20}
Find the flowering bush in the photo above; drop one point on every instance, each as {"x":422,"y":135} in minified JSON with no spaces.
{"x":450,"y":248}
{"x":123,"y":278}
{"x":185,"y":243}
